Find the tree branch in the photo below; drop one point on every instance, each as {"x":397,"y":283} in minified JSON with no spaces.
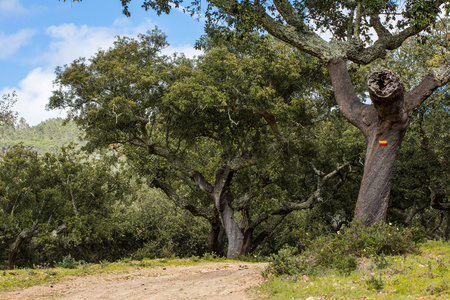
{"x":381,"y":31}
{"x":181,"y":202}
{"x":201,"y":182}
{"x":289,"y":14}
{"x":289,"y":207}
{"x":299,"y":36}
{"x":359,"y":114}
{"x":437,"y":78}
{"x":436,"y":200}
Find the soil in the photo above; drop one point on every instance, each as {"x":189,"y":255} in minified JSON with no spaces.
{"x":227,"y":280}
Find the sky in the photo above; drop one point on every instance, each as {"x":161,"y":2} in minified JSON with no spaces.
{"x":36,"y":36}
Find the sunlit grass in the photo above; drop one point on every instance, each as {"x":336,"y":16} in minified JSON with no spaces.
{"x":413,"y":276}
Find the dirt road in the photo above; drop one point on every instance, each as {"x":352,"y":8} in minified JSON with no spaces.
{"x":228,"y":280}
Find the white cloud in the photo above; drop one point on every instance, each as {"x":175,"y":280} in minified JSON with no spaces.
{"x":33,"y":94}
{"x":12,"y":6}
{"x":10,"y":44}
{"x":187,"y":50}
{"x":69,"y":42}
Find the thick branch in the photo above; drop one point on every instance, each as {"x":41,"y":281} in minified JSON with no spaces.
{"x":438,"y":77}
{"x":299,"y":36}
{"x":179,"y":201}
{"x":378,"y":49}
{"x":201,"y":182}
{"x":436,"y":201}
{"x":359,"y":114}
{"x":289,"y":14}
{"x":357,"y":27}
{"x":381,"y":31}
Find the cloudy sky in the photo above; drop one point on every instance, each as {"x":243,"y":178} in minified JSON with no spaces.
{"x":36,"y":36}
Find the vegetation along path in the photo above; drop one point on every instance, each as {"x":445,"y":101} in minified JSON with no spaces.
{"x":211,"y":280}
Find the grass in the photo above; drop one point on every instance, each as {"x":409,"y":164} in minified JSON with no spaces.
{"x":23,"y":278}
{"x":412,"y":276}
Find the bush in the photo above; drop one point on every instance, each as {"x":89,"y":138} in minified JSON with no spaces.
{"x":68,"y":262}
{"x":286,"y":262}
{"x":340,"y":251}
{"x":346,"y":265}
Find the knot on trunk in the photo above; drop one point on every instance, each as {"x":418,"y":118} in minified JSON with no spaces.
{"x":385,"y":86}
{"x":387,"y":91}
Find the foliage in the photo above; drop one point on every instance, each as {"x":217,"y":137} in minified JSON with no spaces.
{"x":249,"y":109}
{"x":68,"y":262}
{"x":288,"y":262}
{"x":341,"y":251}
{"x":151,"y":226}
{"x":62,"y":198}
{"x":375,"y":283}
{"x":7,"y":116}
{"x":407,"y":276}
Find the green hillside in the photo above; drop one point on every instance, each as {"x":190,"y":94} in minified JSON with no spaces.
{"x":47,"y":136}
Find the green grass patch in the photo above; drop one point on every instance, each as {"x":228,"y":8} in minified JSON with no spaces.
{"x":409,"y":276}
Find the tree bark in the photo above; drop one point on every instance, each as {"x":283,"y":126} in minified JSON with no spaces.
{"x":223,"y":199}
{"x":383,"y":124}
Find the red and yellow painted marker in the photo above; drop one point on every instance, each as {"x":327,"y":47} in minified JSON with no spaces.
{"x":382,"y":143}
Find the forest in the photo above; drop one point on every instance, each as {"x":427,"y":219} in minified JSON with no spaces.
{"x":264,"y":144}
{"x":259,"y":122}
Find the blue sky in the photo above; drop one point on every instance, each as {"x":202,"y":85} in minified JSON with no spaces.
{"x":38,"y":35}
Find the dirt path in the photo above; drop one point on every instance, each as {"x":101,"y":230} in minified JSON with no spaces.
{"x":229,"y":280}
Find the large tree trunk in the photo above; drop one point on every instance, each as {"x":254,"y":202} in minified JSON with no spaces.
{"x":383,"y":124}
{"x":223,"y":199}
{"x":374,"y":192}
{"x":383,"y":144}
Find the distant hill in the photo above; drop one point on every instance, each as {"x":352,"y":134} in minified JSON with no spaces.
{"x":47,"y":136}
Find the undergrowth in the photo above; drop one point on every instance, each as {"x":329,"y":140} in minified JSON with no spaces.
{"x":342,"y":251}
{"x":379,"y":263}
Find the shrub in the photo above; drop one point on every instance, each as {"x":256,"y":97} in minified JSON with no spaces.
{"x":346,"y":265}
{"x":286,"y":262}
{"x":68,"y":262}
{"x":340,"y":251}
{"x":375,"y":283}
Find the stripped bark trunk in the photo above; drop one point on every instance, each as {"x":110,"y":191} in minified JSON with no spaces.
{"x":222,"y":197}
{"x":384,"y":121}
{"x":383,"y":144}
